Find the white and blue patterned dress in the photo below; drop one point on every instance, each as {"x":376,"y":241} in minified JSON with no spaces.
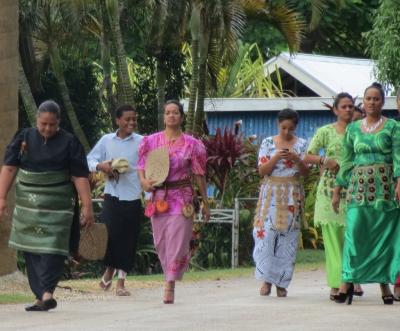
{"x":278,"y":215}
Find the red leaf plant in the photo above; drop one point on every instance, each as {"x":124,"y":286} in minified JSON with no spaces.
{"x":224,"y":151}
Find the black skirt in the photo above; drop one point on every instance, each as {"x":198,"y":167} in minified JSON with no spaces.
{"x":123,"y":220}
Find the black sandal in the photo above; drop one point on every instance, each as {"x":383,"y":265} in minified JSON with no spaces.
{"x":49,"y":304}
{"x":34,"y":307}
{"x":388,"y":299}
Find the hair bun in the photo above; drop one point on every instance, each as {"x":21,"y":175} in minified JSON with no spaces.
{"x":376,"y":84}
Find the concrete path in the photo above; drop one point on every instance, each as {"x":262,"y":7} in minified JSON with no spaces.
{"x":214,"y":305}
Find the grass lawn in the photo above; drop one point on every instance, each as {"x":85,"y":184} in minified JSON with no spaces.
{"x":15,"y":298}
{"x":306,"y":260}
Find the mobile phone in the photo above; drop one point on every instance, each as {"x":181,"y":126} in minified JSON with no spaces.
{"x":285,"y":149}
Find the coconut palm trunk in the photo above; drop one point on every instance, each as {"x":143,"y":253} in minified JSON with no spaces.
{"x":195,"y":32}
{"x":25,"y":92}
{"x":201,"y":93}
{"x":125,"y":91}
{"x":161,"y":79}
{"x":105,"y":45}
{"x":8,"y":112}
{"x":56,"y":65}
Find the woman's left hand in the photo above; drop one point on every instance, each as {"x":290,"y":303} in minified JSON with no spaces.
{"x":205,"y":211}
{"x":87,"y":216}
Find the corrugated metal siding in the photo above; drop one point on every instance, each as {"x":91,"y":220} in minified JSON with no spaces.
{"x":264,"y":124}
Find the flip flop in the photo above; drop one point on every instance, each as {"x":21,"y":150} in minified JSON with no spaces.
{"x":106,"y":285}
{"x":122,"y":292}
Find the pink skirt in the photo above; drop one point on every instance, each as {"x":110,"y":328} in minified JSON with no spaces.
{"x":172,"y":235}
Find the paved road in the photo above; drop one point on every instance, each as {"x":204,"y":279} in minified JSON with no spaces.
{"x":214,"y":305}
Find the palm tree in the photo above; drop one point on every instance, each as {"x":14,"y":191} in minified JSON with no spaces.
{"x":166,"y":35}
{"x":215,"y":27}
{"x":25,"y":92}
{"x":54,"y":24}
{"x":8,"y":110}
{"x":125,"y":91}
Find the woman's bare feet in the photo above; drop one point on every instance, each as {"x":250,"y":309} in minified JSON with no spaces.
{"x":358,"y":291}
{"x":265,"y":289}
{"x":281,"y":292}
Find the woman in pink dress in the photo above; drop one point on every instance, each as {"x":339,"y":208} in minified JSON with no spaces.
{"x":172,"y":230}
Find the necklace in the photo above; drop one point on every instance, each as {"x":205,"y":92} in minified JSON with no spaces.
{"x":373,"y":127}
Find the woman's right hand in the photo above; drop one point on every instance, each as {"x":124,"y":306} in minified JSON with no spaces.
{"x":147,"y":185}
{"x":332,"y":165}
{"x":3,"y":208}
{"x":281,"y":154}
{"x":336,"y":200}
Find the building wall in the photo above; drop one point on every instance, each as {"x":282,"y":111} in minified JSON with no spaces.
{"x":264,"y":124}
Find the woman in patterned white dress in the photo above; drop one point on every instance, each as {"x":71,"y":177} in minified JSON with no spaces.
{"x":279,"y":208}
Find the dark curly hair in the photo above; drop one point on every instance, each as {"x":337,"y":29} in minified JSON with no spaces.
{"x":288,"y":114}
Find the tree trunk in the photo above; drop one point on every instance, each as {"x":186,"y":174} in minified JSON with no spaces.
{"x":26,"y":95}
{"x":125,"y":91}
{"x":195,"y":31}
{"x":161,"y":81}
{"x":111,"y":102}
{"x":8,"y":112}
{"x":55,"y":61}
{"x":201,"y":93}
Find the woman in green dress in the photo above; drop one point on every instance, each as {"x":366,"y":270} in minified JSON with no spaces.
{"x":329,"y":138}
{"x":370,"y":171}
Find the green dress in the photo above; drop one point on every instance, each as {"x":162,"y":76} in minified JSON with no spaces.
{"x":331,"y":142}
{"x":327,"y":139}
{"x":369,"y":165}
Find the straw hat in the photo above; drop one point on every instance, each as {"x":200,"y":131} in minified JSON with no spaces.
{"x":120,"y":165}
{"x":93,"y":242}
{"x":157,"y":165}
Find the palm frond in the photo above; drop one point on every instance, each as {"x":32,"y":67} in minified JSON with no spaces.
{"x":289,"y":22}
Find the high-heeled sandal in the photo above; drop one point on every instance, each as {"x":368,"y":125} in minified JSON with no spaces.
{"x":169,"y":294}
{"x":265,"y":289}
{"x":388,"y":299}
{"x":343,"y":297}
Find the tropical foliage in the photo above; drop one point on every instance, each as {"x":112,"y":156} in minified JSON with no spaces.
{"x":384,"y":42}
{"x":92,"y":56}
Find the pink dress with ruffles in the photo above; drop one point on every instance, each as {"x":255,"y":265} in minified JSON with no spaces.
{"x":171,"y":230}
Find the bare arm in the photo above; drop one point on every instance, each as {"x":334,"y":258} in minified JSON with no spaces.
{"x":303,"y":169}
{"x":336,"y":199}
{"x":267,"y":168}
{"x":323,"y":161}
{"x":312,"y":159}
{"x":7,"y":176}
{"x":83,"y":188}
{"x":201,"y":183}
